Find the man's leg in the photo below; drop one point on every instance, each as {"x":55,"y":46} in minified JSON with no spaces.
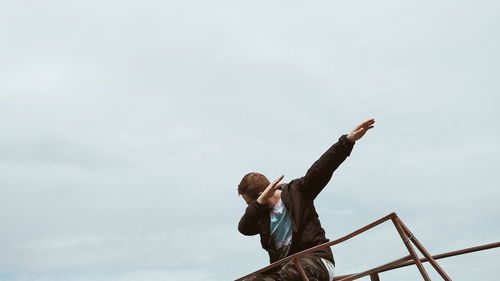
{"x":313,"y":267}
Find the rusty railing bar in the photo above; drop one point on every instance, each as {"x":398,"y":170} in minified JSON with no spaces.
{"x":300,"y":270}
{"x":408,"y":245}
{"x":363,"y":229}
{"x":426,"y":254}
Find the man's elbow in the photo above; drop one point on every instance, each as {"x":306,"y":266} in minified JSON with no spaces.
{"x":246,"y":230}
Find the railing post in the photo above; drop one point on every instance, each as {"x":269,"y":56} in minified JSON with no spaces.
{"x":300,"y":270}
{"x":374,"y":277}
{"x":424,"y":251}
{"x":406,"y":241}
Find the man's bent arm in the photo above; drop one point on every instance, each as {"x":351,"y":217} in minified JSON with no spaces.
{"x":322,"y":170}
{"x":248,"y":223}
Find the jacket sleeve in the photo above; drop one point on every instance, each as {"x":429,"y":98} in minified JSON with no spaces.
{"x":249,"y":222}
{"x":322,"y":170}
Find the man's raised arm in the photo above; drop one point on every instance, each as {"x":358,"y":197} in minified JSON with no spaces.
{"x":322,"y":170}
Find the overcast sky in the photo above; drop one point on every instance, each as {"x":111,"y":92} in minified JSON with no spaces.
{"x":127,"y":125}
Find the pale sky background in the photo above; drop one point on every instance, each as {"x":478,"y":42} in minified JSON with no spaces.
{"x":127,"y":125}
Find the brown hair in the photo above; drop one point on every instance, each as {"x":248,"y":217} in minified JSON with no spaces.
{"x":253,"y":183}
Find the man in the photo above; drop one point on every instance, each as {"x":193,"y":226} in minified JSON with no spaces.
{"x":285,"y":217}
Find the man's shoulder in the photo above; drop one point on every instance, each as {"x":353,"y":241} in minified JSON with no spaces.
{"x":293,"y":191}
{"x":291,"y":186}
{"x":290,"y":189}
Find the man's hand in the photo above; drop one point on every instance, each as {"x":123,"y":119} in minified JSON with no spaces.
{"x":360,"y":130}
{"x":268,"y":192}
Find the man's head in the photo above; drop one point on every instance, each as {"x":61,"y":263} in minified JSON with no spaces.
{"x":251,"y":185}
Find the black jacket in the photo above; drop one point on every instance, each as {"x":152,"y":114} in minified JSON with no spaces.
{"x":298,"y":197}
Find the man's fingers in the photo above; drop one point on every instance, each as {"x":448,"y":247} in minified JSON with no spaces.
{"x":368,"y":122}
{"x":368,"y":127}
{"x":363,"y":130}
{"x":275,"y":183}
{"x":365,"y":124}
{"x":273,"y":186}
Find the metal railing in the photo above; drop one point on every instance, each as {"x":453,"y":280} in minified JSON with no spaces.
{"x":411,"y":259}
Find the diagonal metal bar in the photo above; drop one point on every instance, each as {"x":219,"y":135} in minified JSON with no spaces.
{"x":406,"y":241}
{"x":424,"y":251}
{"x":300,"y":270}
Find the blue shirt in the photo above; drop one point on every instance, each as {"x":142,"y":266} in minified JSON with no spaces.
{"x":281,"y":225}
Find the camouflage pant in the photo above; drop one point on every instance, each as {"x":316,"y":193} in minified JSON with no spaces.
{"x":312,"y":265}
